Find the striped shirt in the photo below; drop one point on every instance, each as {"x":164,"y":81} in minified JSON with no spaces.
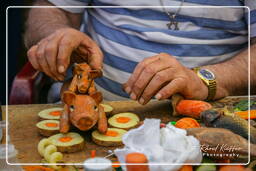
{"x":208,"y":33}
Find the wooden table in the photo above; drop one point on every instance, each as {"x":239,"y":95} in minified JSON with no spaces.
{"x":24,"y":135}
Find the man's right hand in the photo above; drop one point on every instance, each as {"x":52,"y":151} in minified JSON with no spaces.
{"x":52,"y":55}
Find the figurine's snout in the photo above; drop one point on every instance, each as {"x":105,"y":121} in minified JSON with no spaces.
{"x":84,"y":121}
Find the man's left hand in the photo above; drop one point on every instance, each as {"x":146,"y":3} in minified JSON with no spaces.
{"x":162,"y":76}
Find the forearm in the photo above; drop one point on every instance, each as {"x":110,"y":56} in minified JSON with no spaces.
{"x":232,"y":75}
{"x":42,"y":22}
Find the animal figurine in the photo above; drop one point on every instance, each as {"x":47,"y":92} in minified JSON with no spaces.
{"x":216,"y":119}
{"x":86,"y":111}
{"x":221,"y":141}
{"x":81,"y":95}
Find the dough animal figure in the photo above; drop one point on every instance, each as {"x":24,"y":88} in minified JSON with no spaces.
{"x":80,"y":94}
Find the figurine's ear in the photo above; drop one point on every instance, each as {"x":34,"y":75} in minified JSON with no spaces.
{"x":77,"y":68}
{"x":97,"y":96}
{"x":95,"y":73}
{"x":68,"y":97}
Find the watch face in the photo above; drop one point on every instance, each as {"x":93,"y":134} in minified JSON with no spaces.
{"x":207,"y":74}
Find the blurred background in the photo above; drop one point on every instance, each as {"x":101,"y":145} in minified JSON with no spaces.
{"x":16,"y":49}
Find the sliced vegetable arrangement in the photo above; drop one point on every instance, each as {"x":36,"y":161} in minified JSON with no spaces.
{"x":48,"y":127}
{"x":51,"y":113}
{"x":70,"y":142}
{"x":124,"y":120}
{"x":113,"y":137}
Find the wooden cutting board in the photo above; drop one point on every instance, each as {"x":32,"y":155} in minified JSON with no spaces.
{"x":24,"y":135}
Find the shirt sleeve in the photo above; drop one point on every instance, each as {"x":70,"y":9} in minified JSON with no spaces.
{"x":251,"y":4}
{"x":75,"y":3}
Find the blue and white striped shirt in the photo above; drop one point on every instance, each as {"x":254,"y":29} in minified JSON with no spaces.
{"x":127,"y":35}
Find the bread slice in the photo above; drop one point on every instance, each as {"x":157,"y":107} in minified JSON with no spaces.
{"x":69,"y":143}
{"x":113,"y":137}
{"x":48,"y":127}
{"x":51,"y":113}
{"x":107,"y":109}
{"x":125,"y":121}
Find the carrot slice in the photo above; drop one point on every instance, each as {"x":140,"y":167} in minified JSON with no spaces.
{"x":123,"y":119}
{"x":115,"y":164}
{"x":65,"y":139}
{"x":186,"y":123}
{"x":231,"y":168}
{"x":37,"y":168}
{"x":55,"y":113}
{"x":245,"y":114}
{"x":111,"y":133}
{"x":186,"y":168}
{"x":49,"y":124}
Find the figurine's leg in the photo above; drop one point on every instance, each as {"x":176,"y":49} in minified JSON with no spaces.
{"x":92,"y":89}
{"x":102,"y":122}
{"x":64,"y":120}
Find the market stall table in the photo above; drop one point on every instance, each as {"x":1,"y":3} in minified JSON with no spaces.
{"x":23,"y":133}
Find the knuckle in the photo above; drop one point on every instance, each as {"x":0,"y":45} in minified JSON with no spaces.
{"x":137,"y":87}
{"x":39,"y":54}
{"x":66,"y":43}
{"x":49,"y":48}
{"x":149,"y":70}
{"x":161,"y":77}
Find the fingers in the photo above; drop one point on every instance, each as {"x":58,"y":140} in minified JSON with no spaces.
{"x":175,"y":86}
{"x":159,"y":80}
{"x":152,"y":70}
{"x":32,"y":57}
{"x":66,"y":46}
{"x":51,"y":51}
{"x":95,"y":54}
{"x":40,"y":53}
{"x":136,"y":73}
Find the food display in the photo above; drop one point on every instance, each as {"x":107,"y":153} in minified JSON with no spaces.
{"x":113,"y":137}
{"x":212,"y":126}
{"x":124,"y":121}
{"x":51,"y":113}
{"x":49,"y":151}
{"x":69,"y":143}
{"x":48,"y":127}
{"x":108,"y":109}
{"x":186,"y":123}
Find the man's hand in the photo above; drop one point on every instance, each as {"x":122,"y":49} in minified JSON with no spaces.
{"x":52,"y":54}
{"x":162,"y":76}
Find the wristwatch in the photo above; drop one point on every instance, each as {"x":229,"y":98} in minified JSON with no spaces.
{"x":209,"y":79}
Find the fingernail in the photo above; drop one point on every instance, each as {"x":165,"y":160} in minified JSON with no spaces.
{"x":141,"y":101}
{"x":158,"y":96}
{"x":133,"y":96}
{"x":61,"y":69}
{"x":127,"y":90}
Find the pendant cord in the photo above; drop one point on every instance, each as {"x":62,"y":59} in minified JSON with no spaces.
{"x":172,"y":16}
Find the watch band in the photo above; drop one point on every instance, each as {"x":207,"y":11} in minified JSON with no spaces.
{"x":211,"y":84}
